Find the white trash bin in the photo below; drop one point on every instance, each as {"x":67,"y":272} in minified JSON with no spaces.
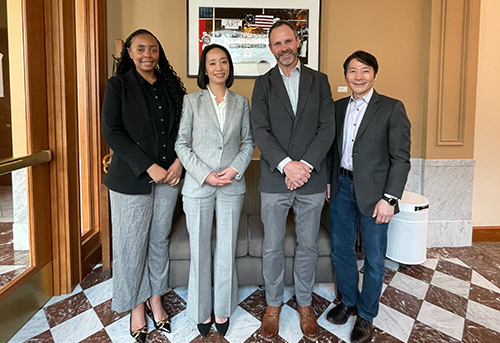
{"x":407,"y":233}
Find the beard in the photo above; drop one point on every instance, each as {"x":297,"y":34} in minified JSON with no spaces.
{"x":286,"y":57}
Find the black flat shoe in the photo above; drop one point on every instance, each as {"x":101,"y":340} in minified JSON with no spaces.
{"x":340,"y":313}
{"x":362,"y":331}
{"x":204,"y":328}
{"x":162,"y":325}
{"x":222,"y":328}
{"x":139,"y":335}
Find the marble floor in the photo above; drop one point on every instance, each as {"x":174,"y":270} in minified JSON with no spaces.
{"x":6,"y":204}
{"x":453,"y":297}
{"x":12,"y":262}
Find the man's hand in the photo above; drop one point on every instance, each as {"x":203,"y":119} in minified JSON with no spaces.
{"x":215,"y":180}
{"x":383,"y":212}
{"x":327,"y":193}
{"x":228,"y":174}
{"x":297,"y":174}
{"x":290,"y":185}
{"x":157,"y":173}
{"x":174,"y":173}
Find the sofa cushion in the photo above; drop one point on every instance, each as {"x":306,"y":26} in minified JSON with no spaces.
{"x":255,"y":235}
{"x":251,"y":205}
{"x":256,"y":238}
{"x":324,"y":242}
{"x":179,"y":239}
{"x":241,"y":239}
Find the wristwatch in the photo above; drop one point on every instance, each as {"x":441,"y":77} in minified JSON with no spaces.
{"x":391,"y":201}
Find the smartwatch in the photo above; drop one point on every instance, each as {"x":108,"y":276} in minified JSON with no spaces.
{"x":391,"y":201}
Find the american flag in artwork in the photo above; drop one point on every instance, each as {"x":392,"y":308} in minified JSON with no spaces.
{"x":264,"y":21}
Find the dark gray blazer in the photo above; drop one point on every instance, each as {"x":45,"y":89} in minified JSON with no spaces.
{"x":381,"y":152}
{"x":278,"y":133}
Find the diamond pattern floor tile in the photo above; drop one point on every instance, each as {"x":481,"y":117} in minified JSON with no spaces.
{"x":454,"y":296}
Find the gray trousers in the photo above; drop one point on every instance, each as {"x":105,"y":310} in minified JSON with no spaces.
{"x":307,"y":212}
{"x":199,"y":219}
{"x":141,"y":224}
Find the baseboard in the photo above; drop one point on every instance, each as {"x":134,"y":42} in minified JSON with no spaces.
{"x":486,"y":234}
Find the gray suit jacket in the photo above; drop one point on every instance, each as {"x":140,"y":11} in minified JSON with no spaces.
{"x":381,"y":152}
{"x":203,"y":148}
{"x":279,"y":133}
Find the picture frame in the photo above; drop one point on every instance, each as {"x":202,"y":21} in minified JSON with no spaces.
{"x":242,"y":26}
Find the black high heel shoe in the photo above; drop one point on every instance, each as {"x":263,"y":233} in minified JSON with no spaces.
{"x":139,"y":335}
{"x":162,"y":325}
{"x":204,"y":328}
{"x":222,"y":328}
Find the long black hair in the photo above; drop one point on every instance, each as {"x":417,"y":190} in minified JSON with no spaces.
{"x":167,"y":74}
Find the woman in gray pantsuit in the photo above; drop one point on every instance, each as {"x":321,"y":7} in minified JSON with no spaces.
{"x":140,"y":119}
{"x":215,"y":145}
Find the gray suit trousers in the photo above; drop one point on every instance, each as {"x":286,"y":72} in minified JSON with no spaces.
{"x":199,"y":219}
{"x":307,"y":212}
{"x":141,"y":224}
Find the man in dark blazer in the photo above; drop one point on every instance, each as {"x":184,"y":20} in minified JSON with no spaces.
{"x":368,"y":165}
{"x":292,"y":119}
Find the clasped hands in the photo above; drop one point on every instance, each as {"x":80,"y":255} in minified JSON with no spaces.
{"x":296,"y":174}
{"x":221,"y":179}
{"x":172,"y":175}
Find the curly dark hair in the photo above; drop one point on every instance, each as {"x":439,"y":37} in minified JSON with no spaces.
{"x":167,"y":73}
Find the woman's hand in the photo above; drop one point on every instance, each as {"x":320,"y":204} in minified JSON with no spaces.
{"x":215,"y":180}
{"x":228,"y":174}
{"x":174,"y":173}
{"x":157,"y":173}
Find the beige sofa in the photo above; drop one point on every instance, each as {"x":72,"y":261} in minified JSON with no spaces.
{"x":250,"y":240}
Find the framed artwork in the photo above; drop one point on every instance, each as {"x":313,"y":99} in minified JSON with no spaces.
{"x":242,"y":27}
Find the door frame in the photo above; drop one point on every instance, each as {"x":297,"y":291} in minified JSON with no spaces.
{"x":65,"y":72}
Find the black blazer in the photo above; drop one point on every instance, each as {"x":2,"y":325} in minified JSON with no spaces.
{"x":381,"y":152}
{"x":127,"y":128}
{"x":279,"y":133}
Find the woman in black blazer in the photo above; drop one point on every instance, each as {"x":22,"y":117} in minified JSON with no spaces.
{"x":140,"y":120}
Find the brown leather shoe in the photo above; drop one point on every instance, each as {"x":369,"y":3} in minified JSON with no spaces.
{"x":270,"y":322}
{"x":308,"y":322}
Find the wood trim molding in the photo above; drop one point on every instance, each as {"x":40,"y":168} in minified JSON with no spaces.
{"x":37,"y":135}
{"x":22,"y":298}
{"x":88,"y":114}
{"x":453,"y":71}
{"x":91,"y":73}
{"x":452,"y":78}
{"x":486,"y":234}
{"x":61,"y":60}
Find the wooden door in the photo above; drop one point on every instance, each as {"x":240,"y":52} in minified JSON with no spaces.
{"x":64,"y":51}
